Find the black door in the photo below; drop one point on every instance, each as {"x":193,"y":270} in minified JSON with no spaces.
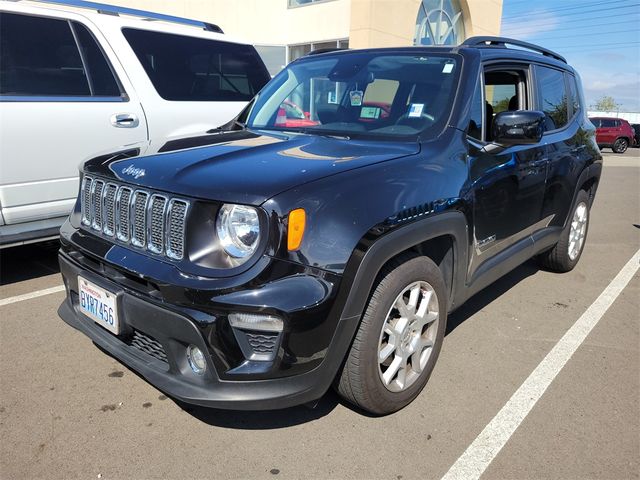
{"x":508,"y":184}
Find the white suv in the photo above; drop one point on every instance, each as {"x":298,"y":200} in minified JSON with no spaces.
{"x":80,"y":82}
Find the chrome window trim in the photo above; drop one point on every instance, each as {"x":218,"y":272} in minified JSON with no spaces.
{"x":59,"y":99}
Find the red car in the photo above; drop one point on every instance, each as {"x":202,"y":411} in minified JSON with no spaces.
{"x":291,"y":115}
{"x":615,"y":133}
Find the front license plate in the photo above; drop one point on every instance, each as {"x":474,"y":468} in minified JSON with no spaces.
{"x":99,"y":305}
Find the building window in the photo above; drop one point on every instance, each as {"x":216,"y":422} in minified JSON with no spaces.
{"x":302,"y":3}
{"x":297,"y":51}
{"x":439,"y":22}
{"x":273,"y":56}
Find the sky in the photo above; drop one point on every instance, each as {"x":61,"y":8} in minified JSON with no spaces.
{"x":599,"y":38}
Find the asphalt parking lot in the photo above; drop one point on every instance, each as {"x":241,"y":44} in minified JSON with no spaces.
{"x":68,"y":410}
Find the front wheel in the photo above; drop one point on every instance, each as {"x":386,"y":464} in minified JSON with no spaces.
{"x":620,"y":145}
{"x":399,"y":338}
{"x":564,"y":256}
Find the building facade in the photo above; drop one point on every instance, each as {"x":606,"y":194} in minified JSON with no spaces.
{"x":284,"y":30}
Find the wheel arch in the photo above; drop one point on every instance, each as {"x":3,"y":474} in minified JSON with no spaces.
{"x":442,"y":237}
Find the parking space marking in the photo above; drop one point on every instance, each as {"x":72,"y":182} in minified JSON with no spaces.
{"x":477,"y":457}
{"x":28,"y":296}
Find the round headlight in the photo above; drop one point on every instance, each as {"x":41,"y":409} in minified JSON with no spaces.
{"x":238,"y":230}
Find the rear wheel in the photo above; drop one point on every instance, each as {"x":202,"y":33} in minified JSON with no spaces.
{"x":620,"y":145}
{"x":564,"y":256}
{"x":399,"y":338}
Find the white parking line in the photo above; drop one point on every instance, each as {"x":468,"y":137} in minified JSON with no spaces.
{"x":27,"y":296}
{"x":477,"y":457}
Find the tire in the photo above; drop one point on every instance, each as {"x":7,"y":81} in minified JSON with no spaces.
{"x":361,"y":380}
{"x":620,"y":145}
{"x":564,"y":256}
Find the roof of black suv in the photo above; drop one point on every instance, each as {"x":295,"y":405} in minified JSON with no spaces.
{"x":488,"y":47}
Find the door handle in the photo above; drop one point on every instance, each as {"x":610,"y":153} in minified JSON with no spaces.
{"x":125,"y":120}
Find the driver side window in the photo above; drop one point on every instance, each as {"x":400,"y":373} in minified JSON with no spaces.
{"x":505,"y":90}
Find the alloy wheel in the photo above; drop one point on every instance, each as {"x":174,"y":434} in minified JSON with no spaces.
{"x":408,"y":336}
{"x":578,"y":230}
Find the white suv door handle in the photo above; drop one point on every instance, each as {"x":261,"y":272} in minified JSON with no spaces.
{"x":125,"y":120}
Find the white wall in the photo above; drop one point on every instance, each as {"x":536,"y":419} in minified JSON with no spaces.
{"x":631,"y":117}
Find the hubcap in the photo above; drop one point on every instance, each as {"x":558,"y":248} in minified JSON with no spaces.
{"x":408,"y":335}
{"x":578,"y":230}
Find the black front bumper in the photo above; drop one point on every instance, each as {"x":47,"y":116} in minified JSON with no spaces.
{"x":157,"y":351}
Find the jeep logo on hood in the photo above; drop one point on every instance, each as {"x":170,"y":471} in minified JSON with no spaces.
{"x":133,"y":171}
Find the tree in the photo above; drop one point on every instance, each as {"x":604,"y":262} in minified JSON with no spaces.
{"x":606,"y":104}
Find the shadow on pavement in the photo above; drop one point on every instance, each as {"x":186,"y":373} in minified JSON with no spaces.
{"x":28,"y":261}
{"x":484,"y":297}
{"x":275,"y":419}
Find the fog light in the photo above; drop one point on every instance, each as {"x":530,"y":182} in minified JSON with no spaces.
{"x":196,"y":360}
{"x":253,"y":321}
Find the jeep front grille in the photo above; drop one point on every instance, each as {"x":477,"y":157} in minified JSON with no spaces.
{"x":136,"y":217}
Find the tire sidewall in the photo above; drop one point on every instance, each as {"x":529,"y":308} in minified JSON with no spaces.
{"x":416,"y":269}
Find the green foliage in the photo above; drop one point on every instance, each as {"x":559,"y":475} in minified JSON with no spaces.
{"x":606,"y":104}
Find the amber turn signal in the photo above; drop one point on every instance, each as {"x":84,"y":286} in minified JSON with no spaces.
{"x":297,"y":221}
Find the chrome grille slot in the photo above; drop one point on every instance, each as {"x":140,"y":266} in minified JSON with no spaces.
{"x":156,"y":223}
{"x":176,"y":223}
{"x":139,"y":218}
{"x":96,"y":202}
{"x":123,"y":206}
{"x":86,"y":200}
{"x":142,"y":218}
{"x":109,"y":209}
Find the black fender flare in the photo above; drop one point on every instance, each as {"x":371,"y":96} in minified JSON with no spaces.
{"x":590,"y":172}
{"x":386,"y":247}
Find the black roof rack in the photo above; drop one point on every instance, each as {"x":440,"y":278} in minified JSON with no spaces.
{"x":502,"y":42}
{"x":324,"y":50}
{"x":114,"y":10}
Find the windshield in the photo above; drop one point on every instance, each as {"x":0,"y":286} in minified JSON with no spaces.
{"x":371,"y":94}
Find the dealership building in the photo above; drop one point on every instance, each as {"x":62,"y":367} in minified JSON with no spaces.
{"x":284,"y":30}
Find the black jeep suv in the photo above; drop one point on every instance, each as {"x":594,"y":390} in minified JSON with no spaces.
{"x":325,"y":234}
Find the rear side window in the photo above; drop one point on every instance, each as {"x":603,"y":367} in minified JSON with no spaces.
{"x":101,"y":78}
{"x":185,"y":68}
{"x":39,"y":57}
{"x":574,"y":96}
{"x":553,"y":97}
{"x":607,"y":123}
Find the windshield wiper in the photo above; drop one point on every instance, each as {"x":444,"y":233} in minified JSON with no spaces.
{"x":308,"y":131}
{"x":225,"y":127}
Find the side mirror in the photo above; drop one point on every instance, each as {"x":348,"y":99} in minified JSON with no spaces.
{"x":522,"y":127}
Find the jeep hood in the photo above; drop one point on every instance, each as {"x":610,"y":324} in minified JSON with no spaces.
{"x":248,"y":166}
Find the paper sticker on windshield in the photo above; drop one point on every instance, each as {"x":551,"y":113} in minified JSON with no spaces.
{"x":448,"y":68}
{"x":415,"y":110}
{"x":332,"y":97}
{"x":370,"y":112}
{"x":356,"y":98}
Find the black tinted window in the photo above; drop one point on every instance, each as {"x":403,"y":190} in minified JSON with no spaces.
{"x":607,"y":123}
{"x":574,"y":97}
{"x":553,"y":97}
{"x":475,"y":118}
{"x":102,"y":80}
{"x":39,"y":57}
{"x":196,"y":69}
